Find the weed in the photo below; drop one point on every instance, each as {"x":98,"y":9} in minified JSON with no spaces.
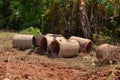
{"x":31,"y":30}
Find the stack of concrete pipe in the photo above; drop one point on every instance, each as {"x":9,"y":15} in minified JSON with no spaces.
{"x":58,"y":46}
{"x":54,"y":44}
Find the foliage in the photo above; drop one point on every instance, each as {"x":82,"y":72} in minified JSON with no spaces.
{"x":106,"y":4}
{"x":117,"y":33}
{"x":101,"y":38}
{"x":61,"y":16}
{"x":24,"y":13}
{"x":31,"y":30}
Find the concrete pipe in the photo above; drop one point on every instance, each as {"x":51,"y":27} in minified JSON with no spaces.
{"x":21,"y":41}
{"x":108,"y":52}
{"x":54,"y":35}
{"x":85,"y":44}
{"x":64,"y":48}
{"x":38,"y":39}
{"x":46,"y":41}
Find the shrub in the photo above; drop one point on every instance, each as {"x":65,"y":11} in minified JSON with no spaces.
{"x":117,"y":32}
{"x":31,"y":30}
{"x":101,"y":38}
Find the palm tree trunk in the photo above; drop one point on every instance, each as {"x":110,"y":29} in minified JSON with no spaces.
{"x":84,"y":20}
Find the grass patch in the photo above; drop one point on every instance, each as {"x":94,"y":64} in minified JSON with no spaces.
{"x":6,"y":40}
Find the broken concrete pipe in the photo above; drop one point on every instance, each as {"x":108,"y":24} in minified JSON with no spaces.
{"x":64,"y":48}
{"x":22,"y":41}
{"x":108,"y":52}
{"x":46,"y":41}
{"x":85,"y":44}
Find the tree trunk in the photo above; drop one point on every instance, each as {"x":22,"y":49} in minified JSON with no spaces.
{"x":84,"y":20}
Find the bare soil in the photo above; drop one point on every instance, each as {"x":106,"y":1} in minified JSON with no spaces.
{"x":20,"y":65}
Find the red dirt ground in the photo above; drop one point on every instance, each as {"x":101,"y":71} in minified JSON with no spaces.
{"x":16,"y":67}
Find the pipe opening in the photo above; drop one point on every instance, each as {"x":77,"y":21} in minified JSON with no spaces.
{"x":43,"y":44}
{"x":89,"y":47}
{"x":55,"y":48}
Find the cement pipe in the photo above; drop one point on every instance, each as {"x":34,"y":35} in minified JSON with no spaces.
{"x":108,"y":52}
{"x":64,"y":48}
{"x":85,"y":44}
{"x":38,"y":39}
{"x":54,"y":35}
{"x":46,"y":41}
{"x":22,"y":41}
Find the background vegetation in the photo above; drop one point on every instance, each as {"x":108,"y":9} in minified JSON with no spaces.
{"x":63,"y":17}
